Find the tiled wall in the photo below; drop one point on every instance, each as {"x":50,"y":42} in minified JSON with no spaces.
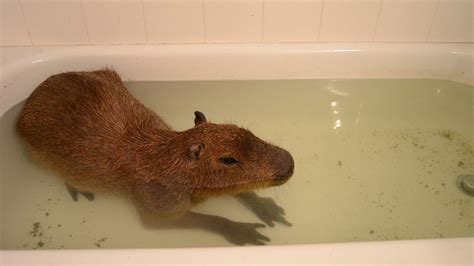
{"x":52,"y":22}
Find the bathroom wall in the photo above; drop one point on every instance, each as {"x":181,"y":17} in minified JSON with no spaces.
{"x":72,"y":22}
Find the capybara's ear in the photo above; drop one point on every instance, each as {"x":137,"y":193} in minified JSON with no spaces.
{"x":199,"y":118}
{"x":195,"y":151}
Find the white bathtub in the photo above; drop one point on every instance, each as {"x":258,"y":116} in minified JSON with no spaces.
{"x":23,"y":68}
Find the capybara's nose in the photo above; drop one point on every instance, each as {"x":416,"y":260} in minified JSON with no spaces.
{"x":286,"y":166}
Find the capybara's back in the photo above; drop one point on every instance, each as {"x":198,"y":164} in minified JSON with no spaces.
{"x":80,"y":123}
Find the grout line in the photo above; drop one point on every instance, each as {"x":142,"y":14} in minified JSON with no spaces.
{"x":24,"y":21}
{"x":144,"y":21}
{"x":239,"y":43}
{"x":377,"y":21}
{"x":84,"y":20}
{"x":432,"y":22}
{"x":263,"y":19}
{"x":320,"y":21}
{"x":203,"y":21}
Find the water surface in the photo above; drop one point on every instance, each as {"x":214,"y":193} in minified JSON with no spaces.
{"x":375,"y":160}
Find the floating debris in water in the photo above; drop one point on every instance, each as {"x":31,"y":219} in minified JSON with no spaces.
{"x":100,"y":242}
{"x":446,"y":134}
{"x":36,"y":227}
{"x":339,"y":163}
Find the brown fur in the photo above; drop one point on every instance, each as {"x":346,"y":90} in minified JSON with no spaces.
{"x":91,"y":130}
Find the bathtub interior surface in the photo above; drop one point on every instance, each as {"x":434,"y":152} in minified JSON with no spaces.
{"x":375,"y":160}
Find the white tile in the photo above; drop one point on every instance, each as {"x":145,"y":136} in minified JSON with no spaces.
{"x":233,"y":20}
{"x":286,"y":21}
{"x":453,"y":21}
{"x":55,"y":21}
{"x":174,"y":21}
{"x":114,"y":21}
{"x":405,"y":20}
{"x":348,"y":20}
{"x":13,"y":31}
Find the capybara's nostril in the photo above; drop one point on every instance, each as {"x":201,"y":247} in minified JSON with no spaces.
{"x":286,"y":166}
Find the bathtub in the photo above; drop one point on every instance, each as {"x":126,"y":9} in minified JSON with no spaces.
{"x":25,"y":67}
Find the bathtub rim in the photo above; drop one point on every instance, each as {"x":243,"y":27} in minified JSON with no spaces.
{"x":454,"y":251}
{"x":448,"y":61}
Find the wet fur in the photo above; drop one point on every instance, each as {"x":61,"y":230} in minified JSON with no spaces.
{"x":87,"y":127}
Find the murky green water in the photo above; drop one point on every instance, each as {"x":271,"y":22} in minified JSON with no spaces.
{"x":375,"y":160}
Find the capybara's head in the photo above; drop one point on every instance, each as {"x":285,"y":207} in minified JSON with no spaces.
{"x":225,"y":158}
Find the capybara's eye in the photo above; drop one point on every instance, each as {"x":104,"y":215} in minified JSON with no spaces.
{"x":229,"y":161}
